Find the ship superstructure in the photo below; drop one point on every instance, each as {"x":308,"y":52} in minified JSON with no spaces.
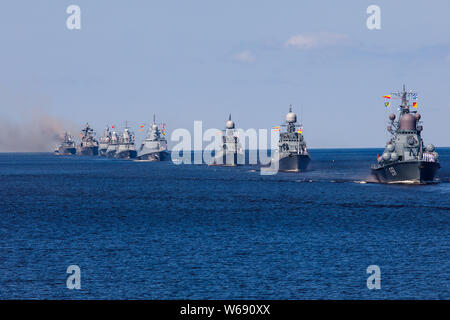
{"x":126,"y":148}
{"x":405,"y":158}
{"x":154,"y":146}
{"x":67,"y":146}
{"x":113,"y":145}
{"x":88,"y":145}
{"x":104,"y":142}
{"x":292,"y":154}
{"x":230,"y":152}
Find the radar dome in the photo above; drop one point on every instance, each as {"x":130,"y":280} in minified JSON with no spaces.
{"x":394,"y":156}
{"x":392,"y":116}
{"x":229,"y":124}
{"x":386,"y":156}
{"x":418,"y":116}
{"x":430,"y":148}
{"x":291,"y":117}
{"x":408,"y":122}
{"x":390,"y":147}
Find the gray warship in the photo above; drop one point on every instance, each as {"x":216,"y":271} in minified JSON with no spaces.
{"x":104,"y":142}
{"x":154,"y":147}
{"x":88,"y":145}
{"x":67,"y":146}
{"x":113,"y":145}
{"x":292,"y":153}
{"x":230,"y":152}
{"x":405,"y":159}
{"x":126,"y":148}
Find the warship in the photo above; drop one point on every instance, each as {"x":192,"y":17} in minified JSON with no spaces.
{"x":405,"y":158}
{"x":126,"y":148}
{"x":104,"y":142}
{"x":292,"y":154}
{"x":154,"y":147}
{"x":88,"y":145}
{"x":67,"y":146}
{"x":230,"y":152}
{"x":113,"y":145}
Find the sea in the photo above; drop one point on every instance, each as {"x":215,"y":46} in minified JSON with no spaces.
{"x":158,"y":230}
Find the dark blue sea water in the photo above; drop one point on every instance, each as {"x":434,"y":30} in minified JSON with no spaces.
{"x":162,"y":231}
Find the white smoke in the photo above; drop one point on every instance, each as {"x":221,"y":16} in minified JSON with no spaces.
{"x":27,"y":126}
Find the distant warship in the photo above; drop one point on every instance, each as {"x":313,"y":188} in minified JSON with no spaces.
{"x":67,"y":146}
{"x":88,"y":145}
{"x":292,"y":153}
{"x":154,"y":147}
{"x":231,"y":150}
{"x":113,"y":145}
{"x":104,"y":142}
{"x":126,"y":148}
{"x":405,"y":159}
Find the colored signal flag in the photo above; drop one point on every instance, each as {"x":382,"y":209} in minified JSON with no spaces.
{"x":300,"y":131}
{"x":387,"y":96}
{"x":387,"y":104}
{"x":414,"y":104}
{"x":276,"y":128}
{"x":142,"y":125}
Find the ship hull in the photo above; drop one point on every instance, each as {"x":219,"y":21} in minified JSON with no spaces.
{"x":155,"y":156}
{"x":127,"y":154}
{"x":102,"y":152}
{"x":88,"y":151}
{"x":410,"y":172}
{"x":110,"y":154}
{"x":227,"y":160}
{"x":66,"y":151}
{"x":294,"y":163}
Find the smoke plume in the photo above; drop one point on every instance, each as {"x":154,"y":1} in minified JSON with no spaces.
{"x":37,"y":131}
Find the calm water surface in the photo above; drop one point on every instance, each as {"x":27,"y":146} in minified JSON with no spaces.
{"x":161,"y":231}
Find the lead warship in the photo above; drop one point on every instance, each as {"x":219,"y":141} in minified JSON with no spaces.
{"x":154,"y":147}
{"x":405,"y":159}
{"x":104,"y":142}
{"x":88,"y":145}
{"x":67,"y":146}
{"x":292,"y":154}
{"x":230,"y":152}
{"x":126,"y":148}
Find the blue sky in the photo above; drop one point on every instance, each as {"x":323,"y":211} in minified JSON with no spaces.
{"x":200,"y":60}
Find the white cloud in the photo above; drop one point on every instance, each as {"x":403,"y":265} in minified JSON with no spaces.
{"x":315,"y":40}
{"x":244,"y":56}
